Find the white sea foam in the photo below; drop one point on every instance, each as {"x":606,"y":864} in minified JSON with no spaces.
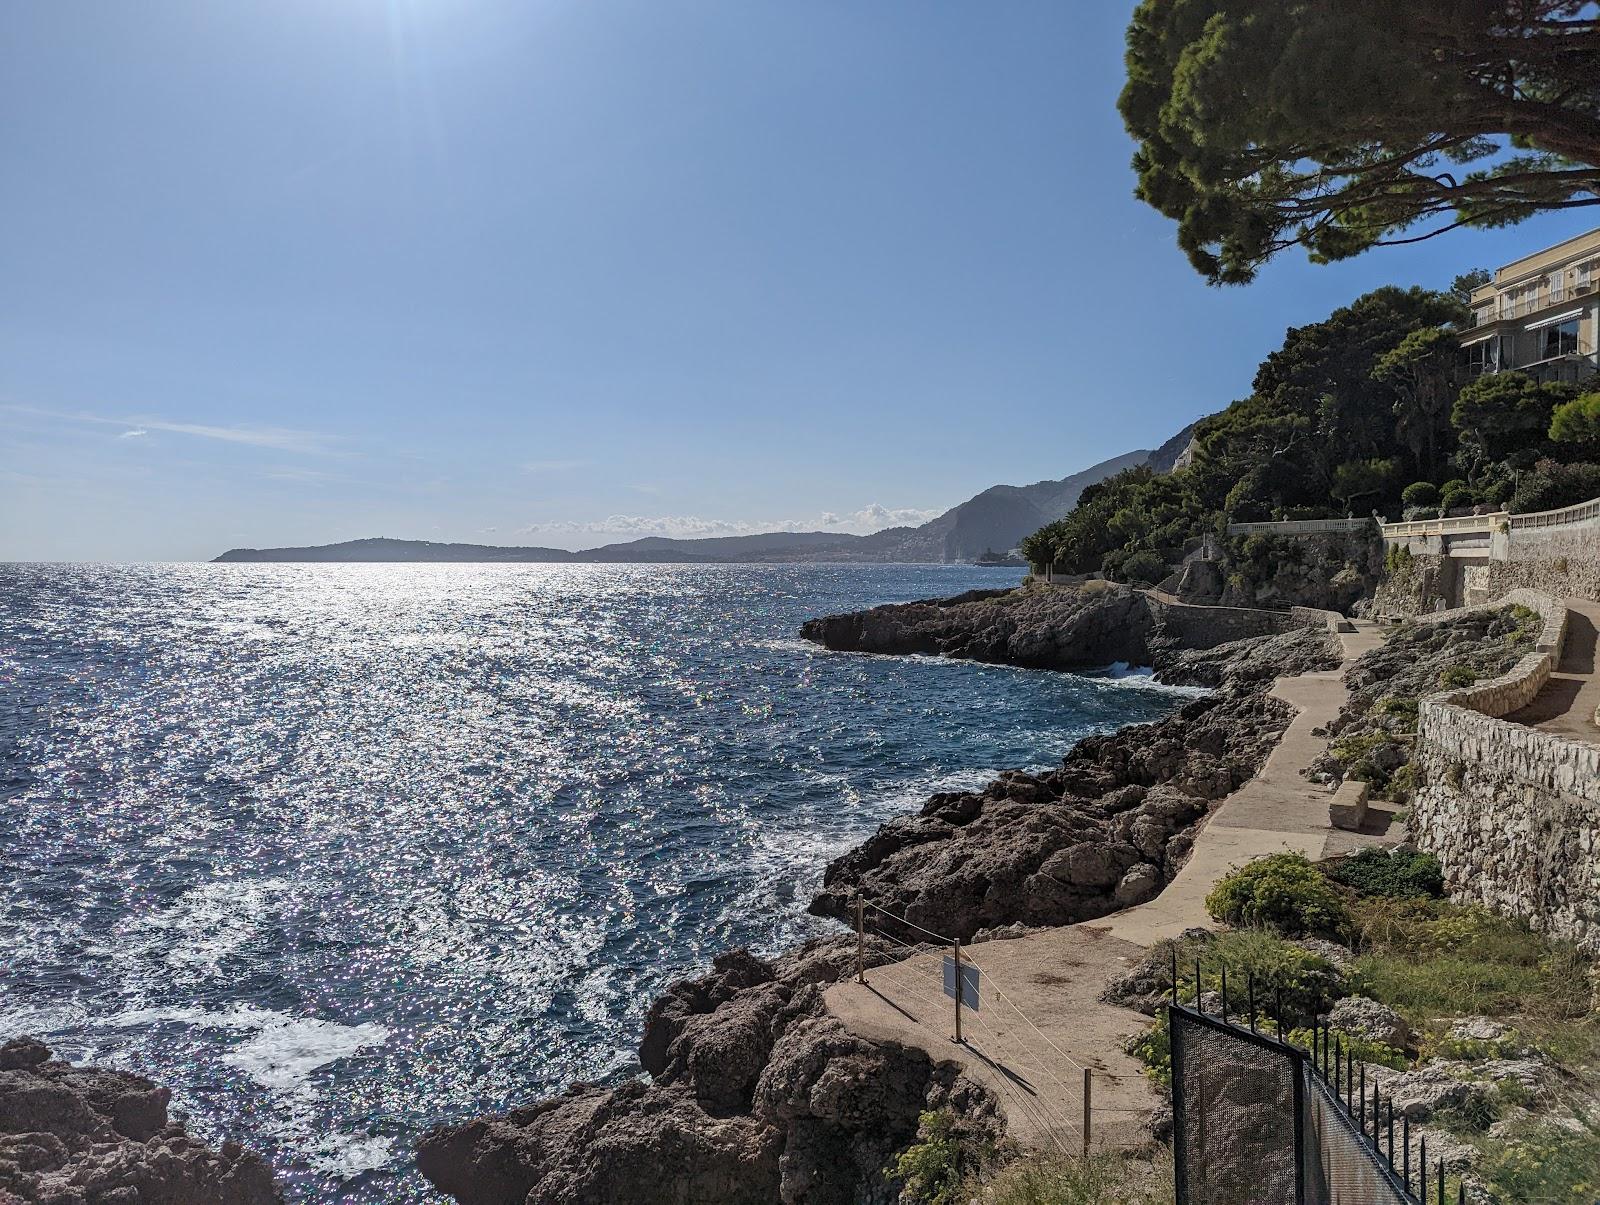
{"x":280,"y":1052}
{"x":16,"y":1022}
{"x":1142,"y":677}
{"x":349,"y":1155}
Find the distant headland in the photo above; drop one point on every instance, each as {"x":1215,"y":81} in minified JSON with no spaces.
{"x":982,"y":529}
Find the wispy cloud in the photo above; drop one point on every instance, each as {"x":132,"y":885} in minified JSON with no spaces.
{"x":555,"y":466}
{"x":281,"y":439}
{"x":694,"y":527}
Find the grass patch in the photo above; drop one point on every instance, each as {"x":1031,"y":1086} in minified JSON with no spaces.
{"x":1108,"y":1179}
{"x":1544,"y":1162}
{"x":1429,"y":959}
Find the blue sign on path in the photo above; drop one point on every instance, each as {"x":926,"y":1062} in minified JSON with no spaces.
{"x":969,"y":982}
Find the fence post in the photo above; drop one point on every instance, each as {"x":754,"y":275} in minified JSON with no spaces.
{"x":958,"y":990}
{"x":1088,"y":1090}
{"x":861,"y":942}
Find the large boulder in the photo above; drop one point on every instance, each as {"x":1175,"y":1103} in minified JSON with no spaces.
{"x":1365,"y":1018}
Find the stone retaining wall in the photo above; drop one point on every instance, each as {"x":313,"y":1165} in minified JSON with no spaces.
{"x":1563,"y":560}
{"x":1511,"y":812}
{"x":1202,"y":627}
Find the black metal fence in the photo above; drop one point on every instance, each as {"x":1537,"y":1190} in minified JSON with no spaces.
{"x":1258,"y":1120}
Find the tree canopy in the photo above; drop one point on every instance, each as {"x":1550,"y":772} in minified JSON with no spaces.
{"x":1340,"y":125}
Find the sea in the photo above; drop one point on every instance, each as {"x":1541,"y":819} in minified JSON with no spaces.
{"x":339,"y":852}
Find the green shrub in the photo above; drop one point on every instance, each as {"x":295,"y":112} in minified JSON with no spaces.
{"x":1143,"y":567}
{"x":1400,"y":708}
{"x":1457,"y":676}
{"x":1403,"y":784}
{"x":1282,"y":891}
{"x":1390,"y":873}
{"x":1358,"y":746}
{"x":1458,"y":497}
{"x":1420,"y":493}
{"x":933,"y":1168}
{"x":1398,"y":560}
{"x":1551,"y":485}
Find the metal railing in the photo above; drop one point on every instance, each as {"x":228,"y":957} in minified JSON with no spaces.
{"x":1525,"y":306}
{"x":1337,"y":1139}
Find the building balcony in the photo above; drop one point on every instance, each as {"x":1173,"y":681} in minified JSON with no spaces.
{"x":1508,"y":311}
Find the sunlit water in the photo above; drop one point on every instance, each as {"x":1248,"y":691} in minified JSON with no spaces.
{"x":338,"y":852}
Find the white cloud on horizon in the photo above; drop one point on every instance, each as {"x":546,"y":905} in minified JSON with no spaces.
{"x":876,"y":517}
{"x":695,"y":527}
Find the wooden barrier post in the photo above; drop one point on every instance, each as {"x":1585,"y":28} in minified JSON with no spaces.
{"x":861,"y":943}
{"x":958,"y":990}
{"x":1088,"y":1090}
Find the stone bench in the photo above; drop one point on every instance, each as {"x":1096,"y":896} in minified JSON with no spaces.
{"x":1348,"y":807}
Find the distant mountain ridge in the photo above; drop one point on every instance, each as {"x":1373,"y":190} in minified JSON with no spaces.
{"x":992,"y":521}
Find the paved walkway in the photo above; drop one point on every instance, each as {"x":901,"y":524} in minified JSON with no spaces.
{"x":1566,"y":706}
{"x":1277,"y":810}
{"x":1040,"y":1020}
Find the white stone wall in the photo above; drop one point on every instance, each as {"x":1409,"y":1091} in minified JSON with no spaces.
{"x":1511,"y":812}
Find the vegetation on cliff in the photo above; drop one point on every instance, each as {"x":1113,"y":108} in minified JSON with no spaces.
{"x":1371,"y":411}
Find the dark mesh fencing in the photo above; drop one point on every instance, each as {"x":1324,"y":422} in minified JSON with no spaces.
{"x":1341,"y":1166}
{"x":1236,"y":1101}
{"x":1255,"y":1122}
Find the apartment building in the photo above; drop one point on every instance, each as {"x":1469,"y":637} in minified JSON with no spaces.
{"x":1541,"y":314}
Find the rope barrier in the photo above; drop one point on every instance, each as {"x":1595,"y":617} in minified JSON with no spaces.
{"x":1007,"y":1053}
{"x":1023,"y":1075}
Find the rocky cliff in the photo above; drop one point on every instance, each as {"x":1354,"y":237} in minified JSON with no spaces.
{"x":88,"y":1136}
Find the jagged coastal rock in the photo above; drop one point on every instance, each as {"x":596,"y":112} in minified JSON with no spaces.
{"x":756,"y":1096}
{"x":1042,"y":629}
{"x":756,"y":1093}
{"x":1108,"y":830}
{"x":90,"y":1136}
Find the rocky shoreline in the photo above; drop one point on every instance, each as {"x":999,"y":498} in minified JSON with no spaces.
{"x":757,"y":1094}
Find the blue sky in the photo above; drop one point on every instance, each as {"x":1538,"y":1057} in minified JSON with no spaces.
{"x":562,"y":272}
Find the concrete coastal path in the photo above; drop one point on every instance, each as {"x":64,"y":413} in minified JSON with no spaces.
{"x":1567,"y":704}
{"x":1040,"y":1022}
